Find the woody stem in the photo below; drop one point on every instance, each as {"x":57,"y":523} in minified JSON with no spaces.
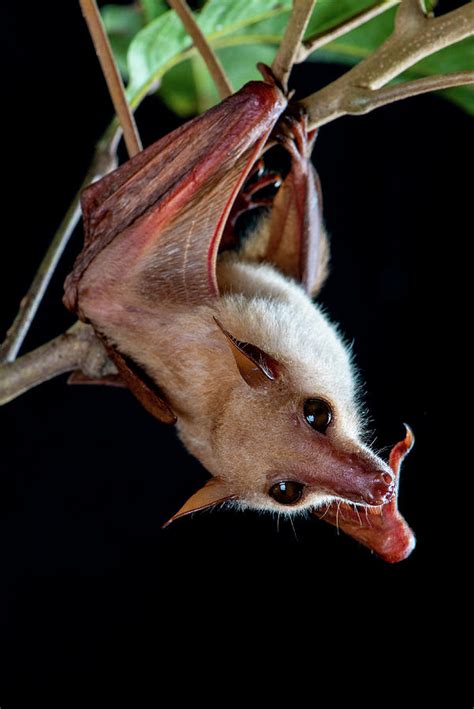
{"x":415,"y":37}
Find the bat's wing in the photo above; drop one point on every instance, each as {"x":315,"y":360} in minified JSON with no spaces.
{"x":295,"y":241}
{"x":153,"y":226}
{"x":382,"y":529}
{"x":162,"y":213}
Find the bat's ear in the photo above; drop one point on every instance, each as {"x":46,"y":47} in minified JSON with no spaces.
{"x":213,"y":493}
{"x":256,"y":367}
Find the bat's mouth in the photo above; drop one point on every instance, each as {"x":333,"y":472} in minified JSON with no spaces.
{"x":379,"y":527}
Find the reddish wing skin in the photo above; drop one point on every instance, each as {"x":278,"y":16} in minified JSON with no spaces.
{"x":296,"y":228}
{"x":160,"y":216}
{"x":175,"y":196}
{"x":382,"y":529}
{"x":297,"y":244}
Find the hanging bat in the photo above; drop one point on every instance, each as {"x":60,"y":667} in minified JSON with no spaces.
{"x":202,"y":256}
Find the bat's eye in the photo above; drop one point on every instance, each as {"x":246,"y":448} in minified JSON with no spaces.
{"x":286,"y":492}
{"x":318,"y":414}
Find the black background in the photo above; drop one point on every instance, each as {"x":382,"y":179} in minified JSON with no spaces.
{"x":91,"y":588}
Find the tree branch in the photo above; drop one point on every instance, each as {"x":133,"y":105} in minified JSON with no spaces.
{"x":103,"y":162}
{"x":78,"y":348}
{"x":360,"y":90}
{"x":410,"y":16}
{"x":322,"y":38}
{"x":291,"y":42}
{"x":398,"y":53}
{"x":213,"y":64}
{"x":111,"y":75}
{"x":366,"y":100}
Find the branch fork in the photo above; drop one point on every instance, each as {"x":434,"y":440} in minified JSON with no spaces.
{"x":415,"y":37}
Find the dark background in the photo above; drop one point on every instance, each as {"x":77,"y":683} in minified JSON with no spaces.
{"x":91,"y":587}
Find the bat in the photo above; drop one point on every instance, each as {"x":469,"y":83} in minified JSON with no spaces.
{"x":202,"y":258}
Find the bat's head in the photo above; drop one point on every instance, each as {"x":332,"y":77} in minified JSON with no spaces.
{"x":285,"y":432}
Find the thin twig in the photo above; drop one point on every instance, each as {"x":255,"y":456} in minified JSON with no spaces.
{"x":368,"y":101}
{"x":78,"y":348}
{"x":30,"y":303}
{"x":103,"y":162}
{"x":112,"y":76}
{"x":216,"y":70}
{"x":398,"y":53}
{"x":320,"y":39}
{"x":291,"y":42}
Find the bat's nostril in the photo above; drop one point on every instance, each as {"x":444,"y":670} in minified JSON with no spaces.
{"x":382,"y":491}
{"x":388,"y":495}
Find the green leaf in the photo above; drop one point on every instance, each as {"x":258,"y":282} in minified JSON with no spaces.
{"x":463,"y":96}
{"x":122,"y":23}
{"x":153,"y":9}
{"x":328,"y":13}
{"x":154,"y":50}
{"x":188,"y":88}
{"x":164,"y":43}
{"x":429,"y":5}
{"x":358,"y":44}
{"x":152,"y":46}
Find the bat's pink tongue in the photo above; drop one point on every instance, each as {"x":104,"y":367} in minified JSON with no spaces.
{"x":382,"y":529}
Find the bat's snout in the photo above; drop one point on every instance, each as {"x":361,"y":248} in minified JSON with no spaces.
{"x":361,"y":478}
{"x":381,"y":490}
